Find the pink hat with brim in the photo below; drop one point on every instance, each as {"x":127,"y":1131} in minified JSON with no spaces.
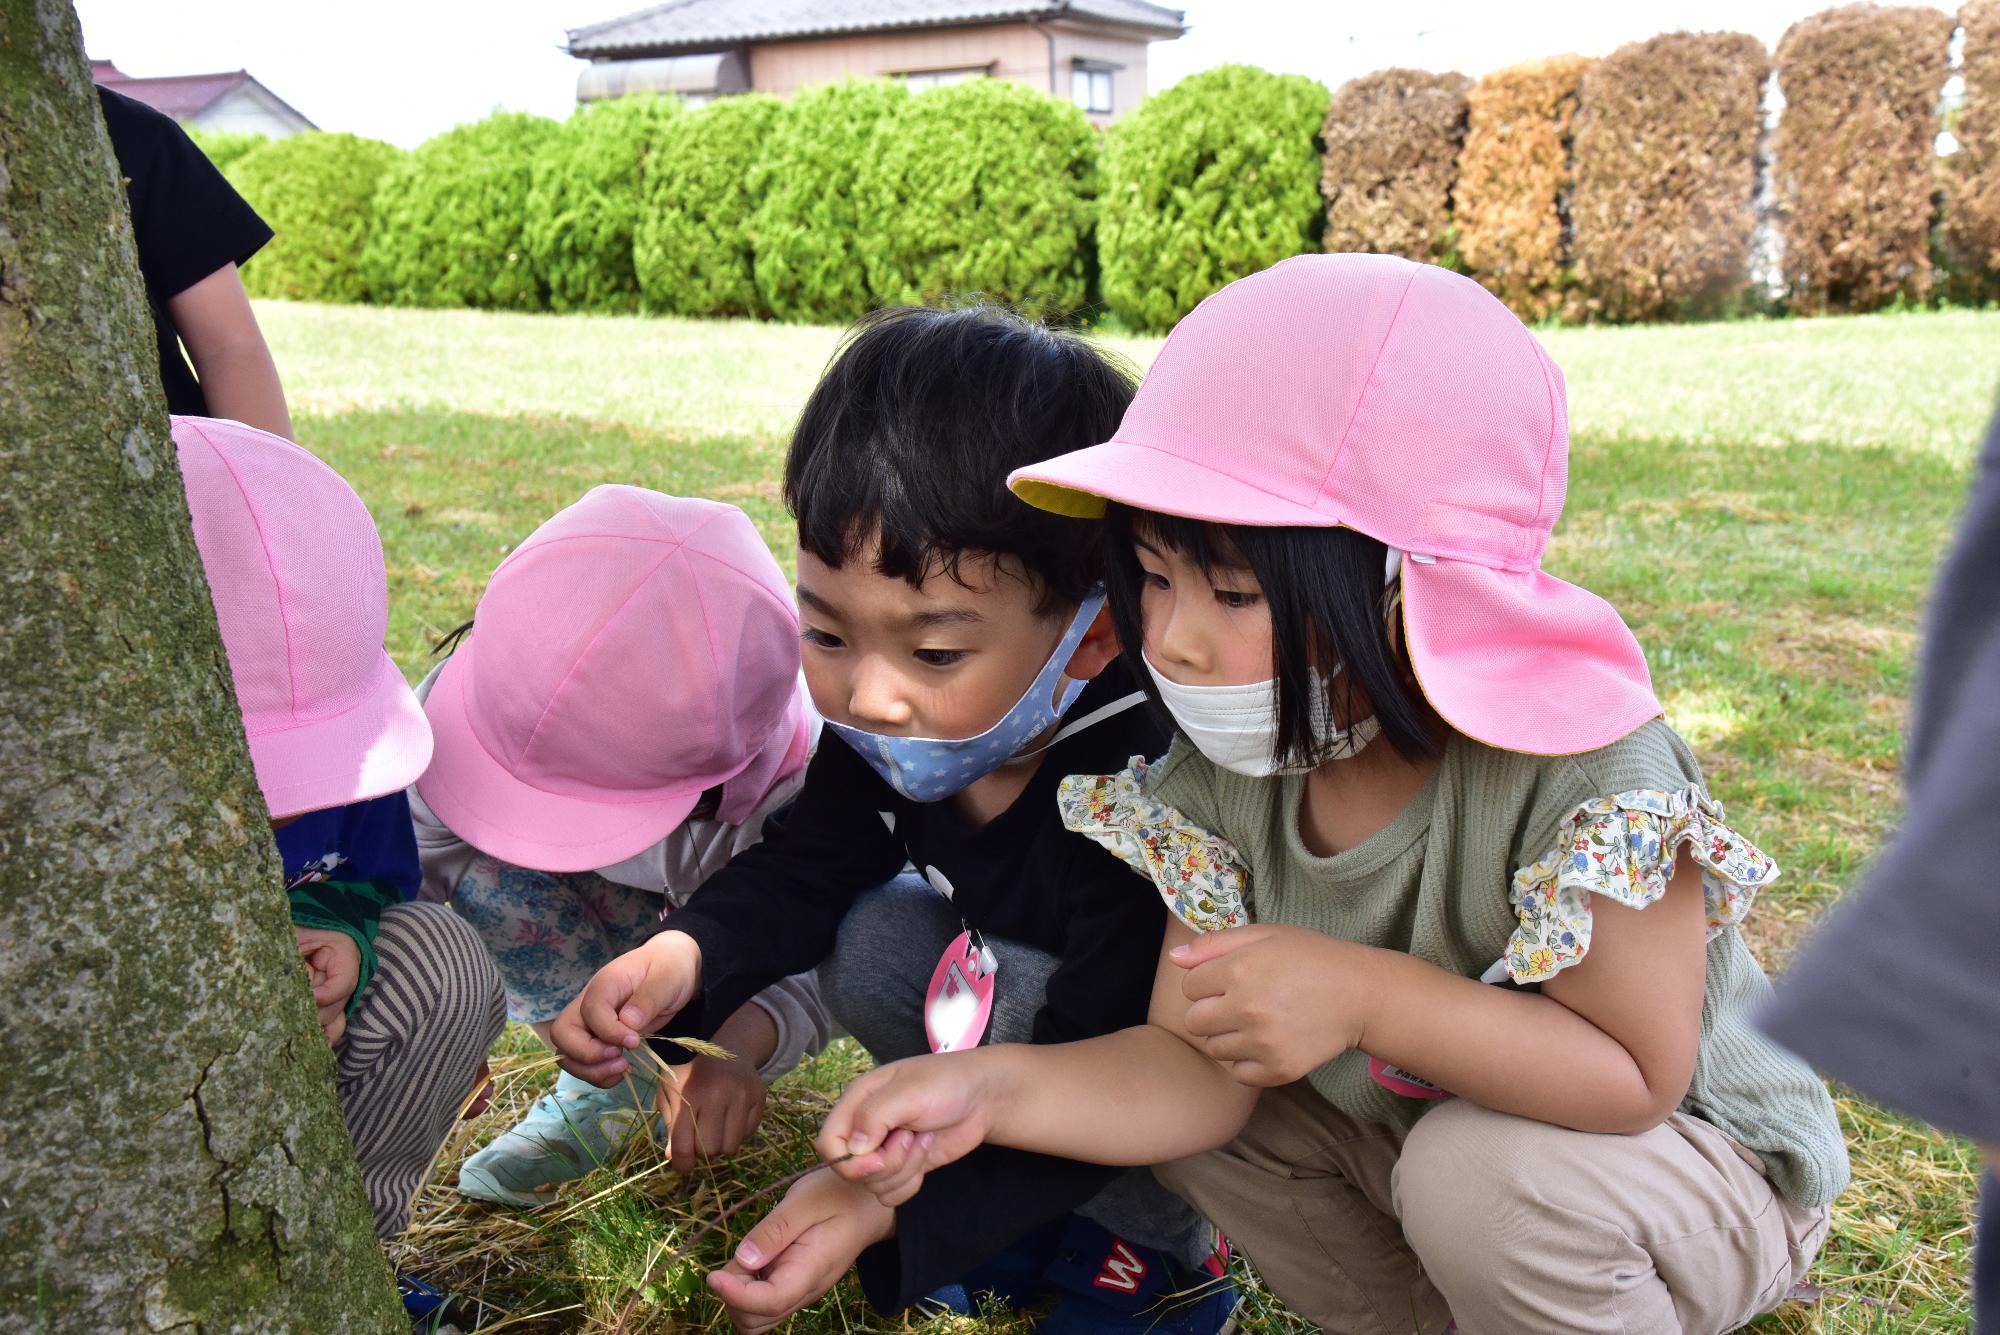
{"x":636,"y":650}
{"x":1405,"y":402}
{"x":301,"y":596}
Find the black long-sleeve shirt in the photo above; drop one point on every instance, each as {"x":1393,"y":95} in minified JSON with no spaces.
{"x":775,"y":910}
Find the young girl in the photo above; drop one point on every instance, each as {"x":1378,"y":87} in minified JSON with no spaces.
{"x":1454,"y":1020}
{"x":617,"y":726}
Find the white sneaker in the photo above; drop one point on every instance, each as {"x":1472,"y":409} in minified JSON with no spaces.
{"x":569,"y":1131}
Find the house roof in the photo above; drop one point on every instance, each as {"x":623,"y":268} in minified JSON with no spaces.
{"x":183,"y":96}
{"x":685,"y":25}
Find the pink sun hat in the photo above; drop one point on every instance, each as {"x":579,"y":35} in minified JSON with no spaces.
{"x":636,"y":650}
{"x":1403,"y":401}
{"x":295,"y":568}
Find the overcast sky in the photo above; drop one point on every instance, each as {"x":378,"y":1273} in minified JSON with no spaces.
{"x":403,"y":70}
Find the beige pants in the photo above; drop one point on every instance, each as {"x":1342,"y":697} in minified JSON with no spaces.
{"x":1505,"y":1223}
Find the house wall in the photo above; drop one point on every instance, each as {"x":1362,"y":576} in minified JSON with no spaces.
{"x":246,"y":111}
{"x":1013,"y":50}
{"x":1128,"y":82}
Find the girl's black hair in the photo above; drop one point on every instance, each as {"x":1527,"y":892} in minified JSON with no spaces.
{"x":1324,"y":588}
{"x":908,"y":438}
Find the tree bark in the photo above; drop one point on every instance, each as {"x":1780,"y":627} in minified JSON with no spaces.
{"x":172,"y":1157}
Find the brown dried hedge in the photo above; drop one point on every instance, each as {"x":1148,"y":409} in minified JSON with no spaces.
{"x":1972,"y":175}
{"x":1392,"y":141}
{"x":1854,"y":161}
{"x":1513,"y":182}
{"x":1665,"y":157}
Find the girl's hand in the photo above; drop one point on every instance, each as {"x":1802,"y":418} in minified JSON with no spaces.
{"x":1273,"y":1003}
{"x":899,"y":1121}
{"x":799,"y":1250}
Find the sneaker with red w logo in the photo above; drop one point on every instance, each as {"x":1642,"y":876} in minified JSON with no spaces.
{"x":1110,"y":1284}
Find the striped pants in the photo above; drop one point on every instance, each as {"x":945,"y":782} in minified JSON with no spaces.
{"x":413,"y":1048}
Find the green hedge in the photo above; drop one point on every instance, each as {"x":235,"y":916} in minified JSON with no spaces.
{"x":583,"y":202}
{"x":692,"y":248}
{"x":1215,"y":178}
{"x":985,"y":186}
{"x":809,"y":226}
{"x":316,"y":191}
{"x":446,"y":227}
{"x":224,"y":147}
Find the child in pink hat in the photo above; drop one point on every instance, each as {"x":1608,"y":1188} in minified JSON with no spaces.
{"x":1454,"y":1021}
{"x":406,"y":995}
{"x":620,"y":717}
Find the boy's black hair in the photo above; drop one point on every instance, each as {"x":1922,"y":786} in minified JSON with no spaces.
{"x":1324,"y":588}
{"x":908,"y":438}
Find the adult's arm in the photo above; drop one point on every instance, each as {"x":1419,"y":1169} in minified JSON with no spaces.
{"x":1899,"y":994}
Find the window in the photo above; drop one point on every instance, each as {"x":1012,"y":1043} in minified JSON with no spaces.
{"x":1090,"y":88}
{"x":918,"y":80}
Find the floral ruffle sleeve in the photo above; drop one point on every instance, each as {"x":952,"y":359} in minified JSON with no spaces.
{"x":1199,"y":875}
{"x":1624,"y":848}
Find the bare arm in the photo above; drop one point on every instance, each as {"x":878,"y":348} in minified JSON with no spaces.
{"x":238,"y":378}
{"x":1608,"y":1045}
{"x":1621,"y":1025}
{"x":1139,"y":1096}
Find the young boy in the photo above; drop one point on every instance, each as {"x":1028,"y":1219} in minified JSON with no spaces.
{"x":955,"y":644}
{"x":406,"y":994}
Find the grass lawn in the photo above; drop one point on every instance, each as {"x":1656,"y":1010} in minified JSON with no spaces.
{"x":1765,"y":501}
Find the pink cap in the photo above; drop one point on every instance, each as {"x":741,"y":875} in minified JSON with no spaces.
{"x":295,"y":568}
{"x":635,"y":651}
{"x":1404,"y":401}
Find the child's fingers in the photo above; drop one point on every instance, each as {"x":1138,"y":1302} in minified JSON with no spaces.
{"x":598,"y":1010}
{"x":603,"y":1074}
{"x":862,"y":1119}
{"x":887,"y":1161}
{"x":898,"y":1184}
{"x":573,"y":1042}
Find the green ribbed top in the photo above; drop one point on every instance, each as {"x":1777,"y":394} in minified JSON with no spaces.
{"x":1434,"y":883}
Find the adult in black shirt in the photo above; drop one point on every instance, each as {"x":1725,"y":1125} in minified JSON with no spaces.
{"x":193,"y":230}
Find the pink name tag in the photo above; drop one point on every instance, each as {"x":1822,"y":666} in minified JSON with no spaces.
{"x":1398,"y":1081}
{"x":960,"y":999}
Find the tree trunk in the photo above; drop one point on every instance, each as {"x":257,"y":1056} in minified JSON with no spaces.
{"x":171,"y":1154}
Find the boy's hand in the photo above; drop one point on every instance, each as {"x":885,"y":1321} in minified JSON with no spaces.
{"x":333,"y":964}
{"x":716,"y":1108}
{"x":631,"y":996}
{"x":1272,"y":1003}
{"x":902,"y":1120}
{"x":799,"y":1250}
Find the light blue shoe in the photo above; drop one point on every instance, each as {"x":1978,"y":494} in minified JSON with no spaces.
{"x":570,"y":1130}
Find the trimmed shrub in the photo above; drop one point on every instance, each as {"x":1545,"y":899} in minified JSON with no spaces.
{"x":316,"y":191}
{"x":583,"y":202}
{"x":809,"y":225}
{"x":1392,"y":142}
{"x":1855,"y":163}
{"x":1212,"y":179}
{"x":692,"y":247}
{"x":1665,"y":157}
{"x":224,"y":147}
{"x":987,"y":187}
{"x":446,"y":229}
{"x":1971,"y":233}
{"x":1512,"y":200}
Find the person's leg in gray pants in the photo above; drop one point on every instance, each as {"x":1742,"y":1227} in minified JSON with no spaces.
{"x":874,"y":983}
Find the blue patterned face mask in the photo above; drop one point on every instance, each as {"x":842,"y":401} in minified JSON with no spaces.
{"x":927,"y":769}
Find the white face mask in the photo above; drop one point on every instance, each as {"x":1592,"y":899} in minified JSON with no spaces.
{"x":1237,"y":726}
